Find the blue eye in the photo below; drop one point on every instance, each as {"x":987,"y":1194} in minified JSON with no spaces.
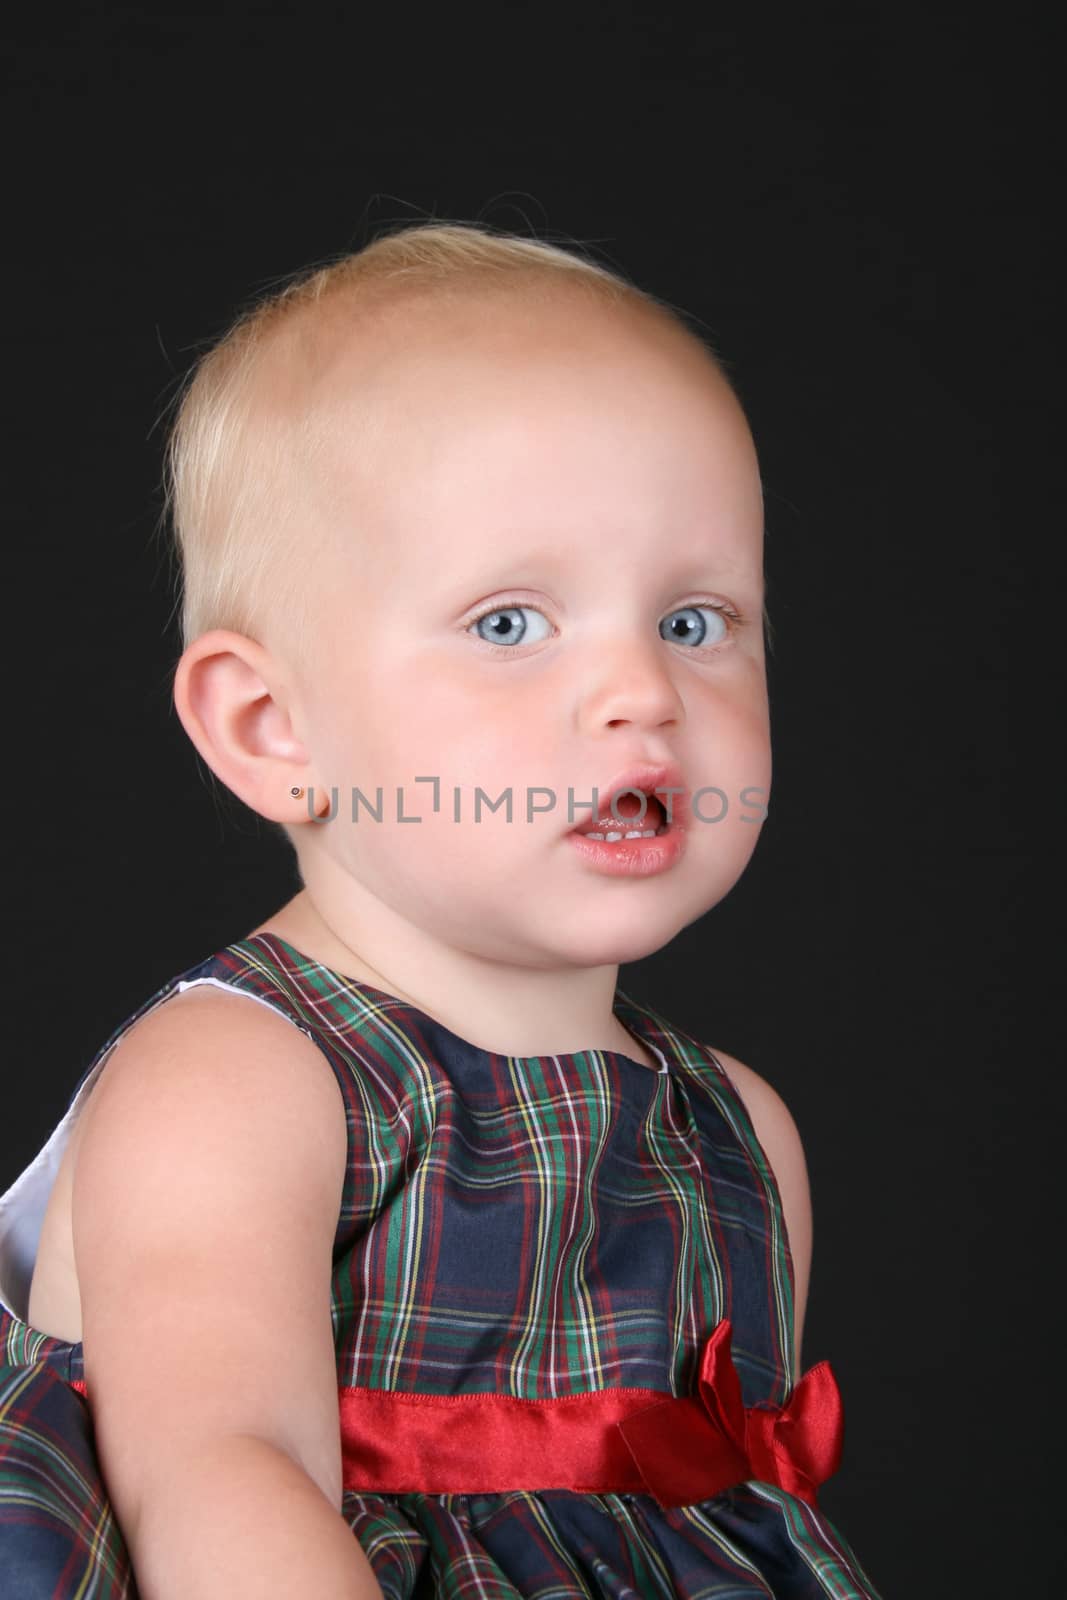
{"x":506,"y":626}
{"x":687,"y":625}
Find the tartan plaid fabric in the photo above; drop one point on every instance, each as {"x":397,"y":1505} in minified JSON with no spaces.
{"x":58,"y":1535}
{"x":528,"y":1227}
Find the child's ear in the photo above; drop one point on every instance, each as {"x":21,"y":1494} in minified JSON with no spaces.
{"x":230,"y":697}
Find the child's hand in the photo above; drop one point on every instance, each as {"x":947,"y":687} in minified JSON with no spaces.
{"x":206,"y":1194}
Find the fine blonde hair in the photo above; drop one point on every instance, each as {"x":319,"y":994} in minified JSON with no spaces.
{"x":238,"y":445}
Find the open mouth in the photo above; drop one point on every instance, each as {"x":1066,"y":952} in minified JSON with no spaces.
{"x":629,"y":823}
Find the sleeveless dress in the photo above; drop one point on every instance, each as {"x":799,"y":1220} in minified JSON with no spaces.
{"x":525,"y":1244}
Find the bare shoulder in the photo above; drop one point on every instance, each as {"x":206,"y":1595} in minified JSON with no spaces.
{"x":779,"y":1136}
{"x":205,"y":1197}
{"x":215,"y":1035}
{"x":212,"y":1077}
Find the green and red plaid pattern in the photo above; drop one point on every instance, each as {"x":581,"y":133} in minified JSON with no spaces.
{"x":530,"y":1227}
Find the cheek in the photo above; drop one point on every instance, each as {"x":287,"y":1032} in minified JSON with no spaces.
{"x":752,"y":744}
{"x":745,"y":779}
{"x":735,"y":733}
{"x":471,"y":731}
{"x":396,"y":734}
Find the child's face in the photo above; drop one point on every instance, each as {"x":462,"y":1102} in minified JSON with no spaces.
{"x":589,"y":475}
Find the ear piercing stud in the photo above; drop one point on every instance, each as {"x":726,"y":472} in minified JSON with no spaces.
{"x":296,"y":793}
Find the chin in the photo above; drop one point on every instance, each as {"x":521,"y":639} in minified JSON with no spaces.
{"x":615,"y":945}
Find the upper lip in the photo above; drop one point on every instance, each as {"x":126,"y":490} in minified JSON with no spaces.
{"x":645,"y":777}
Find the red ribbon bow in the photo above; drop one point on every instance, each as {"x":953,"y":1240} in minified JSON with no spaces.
{"x":688,"y":1449}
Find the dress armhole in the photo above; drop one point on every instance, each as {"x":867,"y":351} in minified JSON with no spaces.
{"x":232,"y":988}
{"x":745,"y":1128}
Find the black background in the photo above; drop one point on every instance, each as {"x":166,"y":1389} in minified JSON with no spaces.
{"x":856,"y":203}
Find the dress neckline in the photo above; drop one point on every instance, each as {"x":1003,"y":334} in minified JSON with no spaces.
{"x":634,"y":1023}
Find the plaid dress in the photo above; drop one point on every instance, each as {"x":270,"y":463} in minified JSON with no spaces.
{"x":529,"y":1229}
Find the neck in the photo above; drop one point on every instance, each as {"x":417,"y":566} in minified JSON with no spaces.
{"x":517,"y":1011}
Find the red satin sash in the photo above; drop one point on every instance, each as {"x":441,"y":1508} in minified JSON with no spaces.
{"x":636,"y":1441}
{"x":609,"y":1441}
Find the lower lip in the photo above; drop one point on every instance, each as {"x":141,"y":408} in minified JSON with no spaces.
{"x":632,"y":858}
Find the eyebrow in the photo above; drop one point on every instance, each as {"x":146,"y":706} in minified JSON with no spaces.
{"x":518,"y":572}
{"x":690,"y":572}
{"x":543,"y":557}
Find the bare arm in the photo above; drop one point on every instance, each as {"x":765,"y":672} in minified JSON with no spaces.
{"x":206,"y":1191}
{"x":778,"y":1134}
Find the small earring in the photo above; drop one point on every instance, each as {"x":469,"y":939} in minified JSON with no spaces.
{"x":296,"y":793}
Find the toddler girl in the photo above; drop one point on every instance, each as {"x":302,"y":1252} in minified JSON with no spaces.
{"x":446,"y":1268}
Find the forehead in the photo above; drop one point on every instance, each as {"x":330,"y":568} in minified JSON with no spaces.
{"x":552,"y":420}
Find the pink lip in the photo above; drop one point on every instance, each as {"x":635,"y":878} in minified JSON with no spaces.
{"x":644,"y":777}
{"x":632,"y":858}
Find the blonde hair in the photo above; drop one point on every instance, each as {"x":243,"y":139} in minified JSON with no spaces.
{"x":234,"y":451}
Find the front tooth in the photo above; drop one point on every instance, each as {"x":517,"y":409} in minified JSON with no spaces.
{"x":611,"y":839}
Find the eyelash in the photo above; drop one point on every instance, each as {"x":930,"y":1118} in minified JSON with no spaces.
{"x":723,"y":607}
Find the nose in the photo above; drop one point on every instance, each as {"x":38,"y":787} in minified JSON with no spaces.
{"x":630,"y":680}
